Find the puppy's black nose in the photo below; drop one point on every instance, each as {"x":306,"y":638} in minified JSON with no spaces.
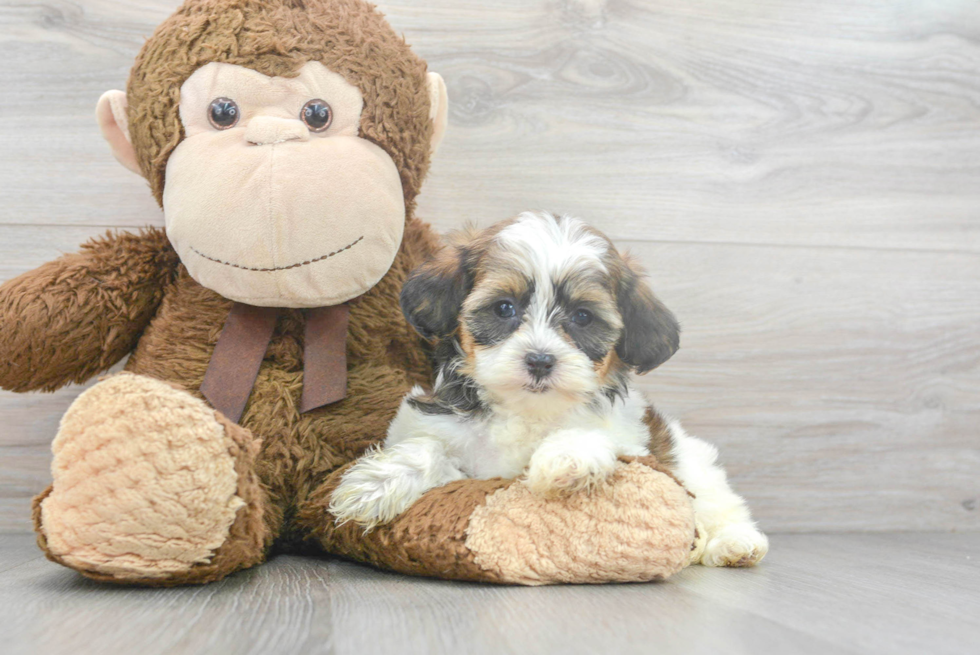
{"x":540,"y":364}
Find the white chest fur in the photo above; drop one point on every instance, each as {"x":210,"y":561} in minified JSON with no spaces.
{"x":502,"y":443}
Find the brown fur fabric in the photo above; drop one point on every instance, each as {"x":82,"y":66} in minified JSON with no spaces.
{"x":299,"y":450}
{"x":429,"y":539}
{"x":438,"y":537}
{"x":276,"y":37}
{"x":128,"y":293}
{"x":77,"y":316}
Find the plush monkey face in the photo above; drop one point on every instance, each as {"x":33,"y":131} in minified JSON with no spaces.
{"x":288,"y":180}
{"x":272,"y":198}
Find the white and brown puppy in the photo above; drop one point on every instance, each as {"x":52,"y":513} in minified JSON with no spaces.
{"x":537,"y":324}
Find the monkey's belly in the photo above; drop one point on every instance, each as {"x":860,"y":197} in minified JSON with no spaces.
{"x":298,"y":449}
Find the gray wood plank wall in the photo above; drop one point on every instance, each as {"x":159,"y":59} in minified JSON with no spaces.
{"x":801,"y":179}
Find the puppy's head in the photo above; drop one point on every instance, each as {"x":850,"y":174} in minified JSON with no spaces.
{"x":542,"y":308}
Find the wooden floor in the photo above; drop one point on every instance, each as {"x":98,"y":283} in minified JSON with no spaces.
{"x":821,"y":594}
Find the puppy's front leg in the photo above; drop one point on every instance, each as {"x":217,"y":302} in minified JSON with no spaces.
{"x":732,"y":538}
{"x":386,"y":482}
{"x":571,"y":460}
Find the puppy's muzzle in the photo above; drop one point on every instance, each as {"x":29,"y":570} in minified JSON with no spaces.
{"x":540,"y":365}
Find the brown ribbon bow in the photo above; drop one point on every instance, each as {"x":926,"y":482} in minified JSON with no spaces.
{"x":241,"y":348}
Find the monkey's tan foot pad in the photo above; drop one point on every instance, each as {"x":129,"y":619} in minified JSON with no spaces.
{"x":635,"y":527}
{"x":144,"y":484}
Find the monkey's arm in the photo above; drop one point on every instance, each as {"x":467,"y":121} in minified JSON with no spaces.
{"x":78,"y":315}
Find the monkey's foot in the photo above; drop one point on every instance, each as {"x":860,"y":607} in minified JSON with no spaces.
{"x":638,"y":525}
{"x":149,"y":485}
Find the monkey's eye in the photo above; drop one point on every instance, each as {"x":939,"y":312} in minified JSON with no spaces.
{"x":223,"y":113}
{"x":317,"y":115}
{"x":504,"y":309}
{"x":582,"y":317}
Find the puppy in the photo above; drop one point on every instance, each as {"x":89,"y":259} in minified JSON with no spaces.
{"x":536,"y":325}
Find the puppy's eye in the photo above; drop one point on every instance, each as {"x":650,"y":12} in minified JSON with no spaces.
{"x":505,"y":309}
{"x":223,"y":113}
{"x":317,"y":115}
{"x":582,"y":317}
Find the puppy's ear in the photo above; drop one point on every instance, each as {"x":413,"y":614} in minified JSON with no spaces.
{"x":651,"y":334}
{"x":434,"y":293}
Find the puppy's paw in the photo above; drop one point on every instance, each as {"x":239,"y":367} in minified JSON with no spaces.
{"x":369,"y":496}
{"x":556,"y":471}
{"x":736,"y":545}
{"x":386,"y":482}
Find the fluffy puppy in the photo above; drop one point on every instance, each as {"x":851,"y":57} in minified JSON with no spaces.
{"x":536,"y":325}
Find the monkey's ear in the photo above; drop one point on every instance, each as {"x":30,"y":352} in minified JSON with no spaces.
{"x":111,"y":114}
{"x":438,"y":108}
{"x":434,"y":293}
{"x":651,"y":334}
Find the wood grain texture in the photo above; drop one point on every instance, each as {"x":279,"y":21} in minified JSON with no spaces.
{"x":833,"y":123}
{"x":802,"y":180}
{"x":840,"y":385}
{"x":815,"y":594}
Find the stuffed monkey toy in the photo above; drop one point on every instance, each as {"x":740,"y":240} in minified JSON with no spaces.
{"x":286,"y":141}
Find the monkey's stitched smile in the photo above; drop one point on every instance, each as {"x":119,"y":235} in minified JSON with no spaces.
{"x":280,"y":268}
